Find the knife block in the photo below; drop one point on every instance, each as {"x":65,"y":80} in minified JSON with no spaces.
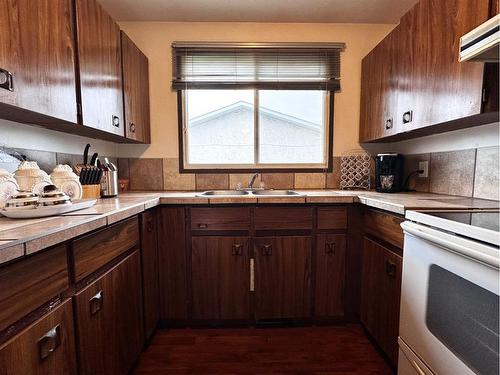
{"x":91,"y":191}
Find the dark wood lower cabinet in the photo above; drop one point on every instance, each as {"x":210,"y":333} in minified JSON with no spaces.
{"x":380,"y":295}
{"x":150,"y":281}
{"x":283,"y":277}
{"x":220,"y":278}
{"x":173,"y":263}
{"x":46,"y":347}
{"x":109,"y":320}
{"x":330,"y":275}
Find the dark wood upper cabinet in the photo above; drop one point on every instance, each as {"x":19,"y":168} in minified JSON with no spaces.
{"x":100,"y":68}
{"x":37,"y":60}
{"x":46,"y":347}
{"x":220,"y":269}
{"x":380,"y":295}
{"x":109,"y":320}
{"x":283,"y":277}
{"x":330,"y":275}
{"x":413,"y":77}
{"x":135,"y":91}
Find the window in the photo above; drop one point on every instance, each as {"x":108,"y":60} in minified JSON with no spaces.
{"x":247,"y":108}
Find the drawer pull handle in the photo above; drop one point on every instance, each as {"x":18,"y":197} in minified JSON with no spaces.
{"x":267,"y":250}
{"x":6,"y":80}
{"x":96,"y":303}
{"x":390,"y":269}
{"x":203,"y":226}
{"x":330,"y":248}
{"x":49,"y":342}
{"x":116,"y":121}
{"x":237,"y":249}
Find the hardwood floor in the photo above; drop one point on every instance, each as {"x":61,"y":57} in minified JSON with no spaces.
{"x":311,"y":350}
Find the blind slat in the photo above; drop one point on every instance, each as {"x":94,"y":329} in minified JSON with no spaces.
{"x":273,"y":67}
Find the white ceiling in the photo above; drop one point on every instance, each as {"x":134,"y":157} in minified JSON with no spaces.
{"x":342,"y":11}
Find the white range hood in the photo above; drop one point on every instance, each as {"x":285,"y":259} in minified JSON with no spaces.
{"x":482,"y":43}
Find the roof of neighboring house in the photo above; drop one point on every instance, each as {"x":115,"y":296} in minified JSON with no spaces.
{"x":245,"y":106}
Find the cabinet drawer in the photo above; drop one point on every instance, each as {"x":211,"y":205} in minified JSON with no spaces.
{"x":95,"y":250}
{"x":45,"y":347}
{"x":332,"y":218}
{"x":224,"y":218}
{"x":31,"y":282}
{"x":279,"y":218}
{"x":384,"y":226}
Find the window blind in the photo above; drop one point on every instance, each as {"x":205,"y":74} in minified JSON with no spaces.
{"x":272,"y":66}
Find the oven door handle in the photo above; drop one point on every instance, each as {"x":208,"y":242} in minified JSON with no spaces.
{"x":451,"y":242}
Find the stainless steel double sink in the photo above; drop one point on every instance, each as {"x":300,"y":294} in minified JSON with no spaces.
{"x":259,"y":193}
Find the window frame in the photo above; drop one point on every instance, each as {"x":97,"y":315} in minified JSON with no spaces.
{"x":185,"y":167}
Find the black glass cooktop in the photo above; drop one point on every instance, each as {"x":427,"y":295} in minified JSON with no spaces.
{"x":487,"y":219}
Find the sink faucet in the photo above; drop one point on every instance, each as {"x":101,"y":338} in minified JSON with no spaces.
{"x":252,"y":180}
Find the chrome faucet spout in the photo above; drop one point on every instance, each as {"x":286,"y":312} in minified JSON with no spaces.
{"x":252,"y":180}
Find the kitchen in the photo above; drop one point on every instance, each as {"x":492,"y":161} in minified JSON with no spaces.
{"x":265,"y":187}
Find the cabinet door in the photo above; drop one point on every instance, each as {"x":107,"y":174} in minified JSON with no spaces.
{"x":283,"y":277}
{"x":109,"y":320}
{"x":149,"y":255}
{"x":380,"y":295}
{"x":220,"y":278}
{"x":330,"y":275}
{"x":100,"y":68}
{"x":37,"y":48}
{"x":442,"y":88}
{"x":172,"y":261}
{"x":135,"y":91}
{"x":46,"y":347}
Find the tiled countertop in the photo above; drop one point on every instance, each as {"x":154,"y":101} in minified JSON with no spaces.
{"x":23,"y":237}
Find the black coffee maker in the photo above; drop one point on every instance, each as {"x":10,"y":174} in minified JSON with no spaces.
{"x":389,"y":169}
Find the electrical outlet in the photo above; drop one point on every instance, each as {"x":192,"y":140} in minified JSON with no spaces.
{"x":424,"y":166}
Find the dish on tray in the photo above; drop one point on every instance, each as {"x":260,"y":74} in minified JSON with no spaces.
{"x":44,"y":211}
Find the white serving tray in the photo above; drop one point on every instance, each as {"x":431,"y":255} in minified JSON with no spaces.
{"x":45,"y":211}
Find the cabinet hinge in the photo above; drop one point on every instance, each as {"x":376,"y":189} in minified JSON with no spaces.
{"x":484,"y":97}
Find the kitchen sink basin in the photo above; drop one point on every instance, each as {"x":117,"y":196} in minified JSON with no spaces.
{"x":260,"y":193}
{"x":276,"y":192}
{"x":214,"y":193}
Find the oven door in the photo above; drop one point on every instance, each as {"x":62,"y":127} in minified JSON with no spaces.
{"x":449,"y":301}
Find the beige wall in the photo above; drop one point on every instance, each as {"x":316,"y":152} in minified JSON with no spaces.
{"x":155,"y":38}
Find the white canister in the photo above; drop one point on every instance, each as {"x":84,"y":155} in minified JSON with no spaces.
{"x":30,"y":177}
{"x":67,"y":181}
{"x":8,"y":186}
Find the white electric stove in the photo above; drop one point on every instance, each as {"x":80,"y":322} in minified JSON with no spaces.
{"x":449,"y":321}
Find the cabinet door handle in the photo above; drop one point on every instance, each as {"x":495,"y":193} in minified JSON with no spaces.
{"x":116,"y":121}
{"x":132,"y":127}
{"x":6,"y":80}
{"x":96,"y":303}
{"x":407,"y":117}
{"x":390,"y":269}
{"x":237,"y":249}
{"x":330,"y":248}
{"x":149,"y":225}
{"x":389,"y":123}
{"x":267,"y":250}
{"x":49,"y":342}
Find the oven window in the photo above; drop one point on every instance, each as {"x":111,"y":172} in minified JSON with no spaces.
{"x":465,"y":318}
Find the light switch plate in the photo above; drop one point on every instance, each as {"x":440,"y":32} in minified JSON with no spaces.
{"x":424,"y":166}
